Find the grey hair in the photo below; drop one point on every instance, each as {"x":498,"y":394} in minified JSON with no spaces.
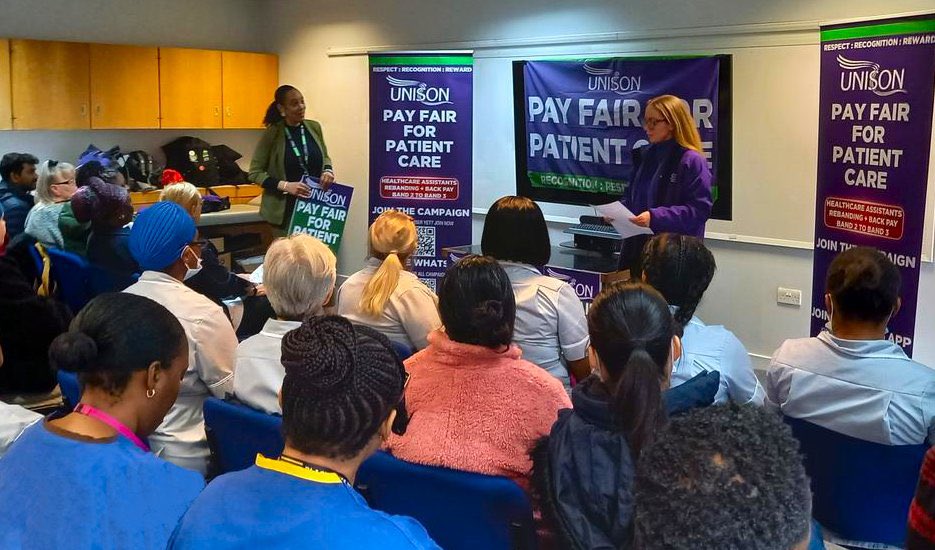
{"x":44,"y":183}
{"x":299,"y":273}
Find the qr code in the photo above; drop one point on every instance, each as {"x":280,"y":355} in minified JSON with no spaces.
{"x":431,"y":283}
{"x":426,"y":246}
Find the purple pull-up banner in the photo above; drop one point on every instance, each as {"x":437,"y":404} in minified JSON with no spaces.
{"x":874,"y":139}
{"x":421,"y":108}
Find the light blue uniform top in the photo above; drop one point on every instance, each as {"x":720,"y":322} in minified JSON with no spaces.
{"x":58,"y":490}
{"x":714,"y":348}
{"x":868,"y":389}
{"x":275,"y":504}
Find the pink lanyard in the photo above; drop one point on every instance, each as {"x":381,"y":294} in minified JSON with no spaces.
{"x":126,"y":432}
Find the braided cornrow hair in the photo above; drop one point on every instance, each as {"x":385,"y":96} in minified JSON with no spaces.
{"x":681,"y":268}
{"x":341,"y":383}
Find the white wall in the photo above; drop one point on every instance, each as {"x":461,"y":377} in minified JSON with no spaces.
{"x":743,"y":295}
{"x":213,"y":24}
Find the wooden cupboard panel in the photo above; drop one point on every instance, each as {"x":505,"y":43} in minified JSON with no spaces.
{"x":6,"y":101}
{"x":50,"y":85}
{"x":124,"y":86}
{"x":249,"y":80}
{"x":190,"y":88}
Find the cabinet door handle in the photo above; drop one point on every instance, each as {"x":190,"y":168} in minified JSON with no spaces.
{"x":217,"y":111}
{"x":84,"y":109}
{"x":97,"y":109}
{"x":228,"y":111}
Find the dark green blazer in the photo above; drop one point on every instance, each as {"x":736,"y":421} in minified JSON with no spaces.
{"x":269,"y":162}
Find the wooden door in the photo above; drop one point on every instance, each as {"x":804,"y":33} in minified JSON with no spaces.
{"x":190,"y":88}
{"x":249,"y":80}
{"x":50,"y":85}
{"x":124,"y":86}
{"x":6,"y":102}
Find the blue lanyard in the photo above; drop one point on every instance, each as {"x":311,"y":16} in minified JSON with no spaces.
{"x":303,"y":160}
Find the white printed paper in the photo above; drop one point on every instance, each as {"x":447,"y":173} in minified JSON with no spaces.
{"x":619,"y":216}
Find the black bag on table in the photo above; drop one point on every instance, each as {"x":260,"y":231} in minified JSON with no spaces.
{"x":194,"y":159}
{"x":228,"y":169}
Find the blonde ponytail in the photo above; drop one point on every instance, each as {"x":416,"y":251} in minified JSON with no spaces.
{"x":393,"y":238}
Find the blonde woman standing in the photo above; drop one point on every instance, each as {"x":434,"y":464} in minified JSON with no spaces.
{"x":383,"y":295}
{"x":671,"y":184}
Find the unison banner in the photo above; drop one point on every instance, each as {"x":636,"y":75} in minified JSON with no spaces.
{"x":584,"y":117}
{"x":874,"y":138}
{"x":421,"y":149}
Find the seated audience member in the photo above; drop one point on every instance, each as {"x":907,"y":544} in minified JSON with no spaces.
{"x":13,"y":420}
{"x":385,"y":296}
{"x":55,"y":187}
{"x":550,"y":325}
{"x":28,"y":324}
{"x":214,"y":280}
{"x":474,"y":404}
{"x":299,"y":275}
{"x":163,"y":242}
{"x":851,"y":379}
{"x":18,"y":173}
{"x":922,"y":511}
{"x":725,"y":477}
{"x":87,"y":479}
{"x":108,"y":208}
{"x":585,"y":469}
{"x":681,"y":268}
{"x":339,"y":397}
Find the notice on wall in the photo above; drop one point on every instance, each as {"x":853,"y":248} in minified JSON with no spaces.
{"x":421,"y":124}
{"x":874,"y":142}
{"x":323,"y":215}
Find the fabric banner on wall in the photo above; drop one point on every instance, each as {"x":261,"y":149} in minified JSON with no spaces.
{"x":874,"y":138}
{"x":584,"y":117}
{"x":421,"y":149}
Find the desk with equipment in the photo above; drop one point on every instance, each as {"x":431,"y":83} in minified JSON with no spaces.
{"x":587,"y":271}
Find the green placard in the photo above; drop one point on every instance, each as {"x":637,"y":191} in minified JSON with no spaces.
{"x":323,"y":215}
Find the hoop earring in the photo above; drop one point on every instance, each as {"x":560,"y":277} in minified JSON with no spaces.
{"x":150,"y":393}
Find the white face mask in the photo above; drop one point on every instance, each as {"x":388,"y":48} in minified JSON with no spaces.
{"x":191,"y":272}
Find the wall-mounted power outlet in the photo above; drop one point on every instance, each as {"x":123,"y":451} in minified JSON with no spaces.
{"x":789,"y":296}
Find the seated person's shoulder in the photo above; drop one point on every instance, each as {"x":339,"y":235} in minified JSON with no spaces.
{"x":399,"y":531}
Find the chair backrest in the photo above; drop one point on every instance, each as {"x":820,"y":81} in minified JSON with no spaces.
{"x":402,"y":350}
{"x":236,"y":433}
{"x":71,"y":273}
{"x":71,"y":389}
{"x":460,"y":510}
{"x":861,"y":491}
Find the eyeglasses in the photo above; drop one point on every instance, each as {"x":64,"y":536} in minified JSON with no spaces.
{"x":200,"y":243}
{"x":66,"y":182}
{"x":652,"y":122}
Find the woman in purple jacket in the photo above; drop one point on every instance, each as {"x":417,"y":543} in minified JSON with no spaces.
{"x":671,"y":184}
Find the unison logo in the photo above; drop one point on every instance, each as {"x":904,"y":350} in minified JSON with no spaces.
{"x":868,"y":76}
{"x":413,"y":90}
{"x":608,"y":80}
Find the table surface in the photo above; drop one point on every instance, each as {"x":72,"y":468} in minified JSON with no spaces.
{"x":568,"y":258}
{"x":238,"y":213}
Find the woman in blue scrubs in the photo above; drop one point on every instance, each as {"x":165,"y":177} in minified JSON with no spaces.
{"x":87,"y":479}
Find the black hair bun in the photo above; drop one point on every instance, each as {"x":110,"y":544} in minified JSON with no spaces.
{"x":322,"y":353}
{"x":488,"y":312}
{"x":73,"y":351}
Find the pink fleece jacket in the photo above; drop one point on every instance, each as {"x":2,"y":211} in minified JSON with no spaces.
{"x":476,"y":409}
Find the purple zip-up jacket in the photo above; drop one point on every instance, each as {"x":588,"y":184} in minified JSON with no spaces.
{"x":674,"y":184}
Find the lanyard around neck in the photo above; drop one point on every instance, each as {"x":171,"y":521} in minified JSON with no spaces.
{"x":300,"y":469}
{"x":122,"y":429}
{"x":303,"y":160}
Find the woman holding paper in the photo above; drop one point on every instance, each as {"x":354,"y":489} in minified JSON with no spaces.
{"x":291,"y":149}
{"x":670,"y":191}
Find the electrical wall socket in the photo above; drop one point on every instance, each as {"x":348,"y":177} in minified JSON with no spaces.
{"x":789,"y":296}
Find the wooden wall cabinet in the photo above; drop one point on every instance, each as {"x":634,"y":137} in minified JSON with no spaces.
{"x":190,"y":88}
{"x":6,"y":101}
{"x":249,"y":80}
{"x":124,"y":86}
{"x":50,"y":85}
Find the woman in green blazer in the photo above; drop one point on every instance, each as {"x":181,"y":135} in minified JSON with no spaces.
{"x":290,"y":149}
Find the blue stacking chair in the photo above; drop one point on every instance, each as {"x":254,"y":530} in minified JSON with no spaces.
{"x":861,"y":491}
{"x":71,"y":389}
{"x":402,"y":350}
{"x":72,"y":276}
{"x":236,"y":433}
{"x":460,"y":510}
